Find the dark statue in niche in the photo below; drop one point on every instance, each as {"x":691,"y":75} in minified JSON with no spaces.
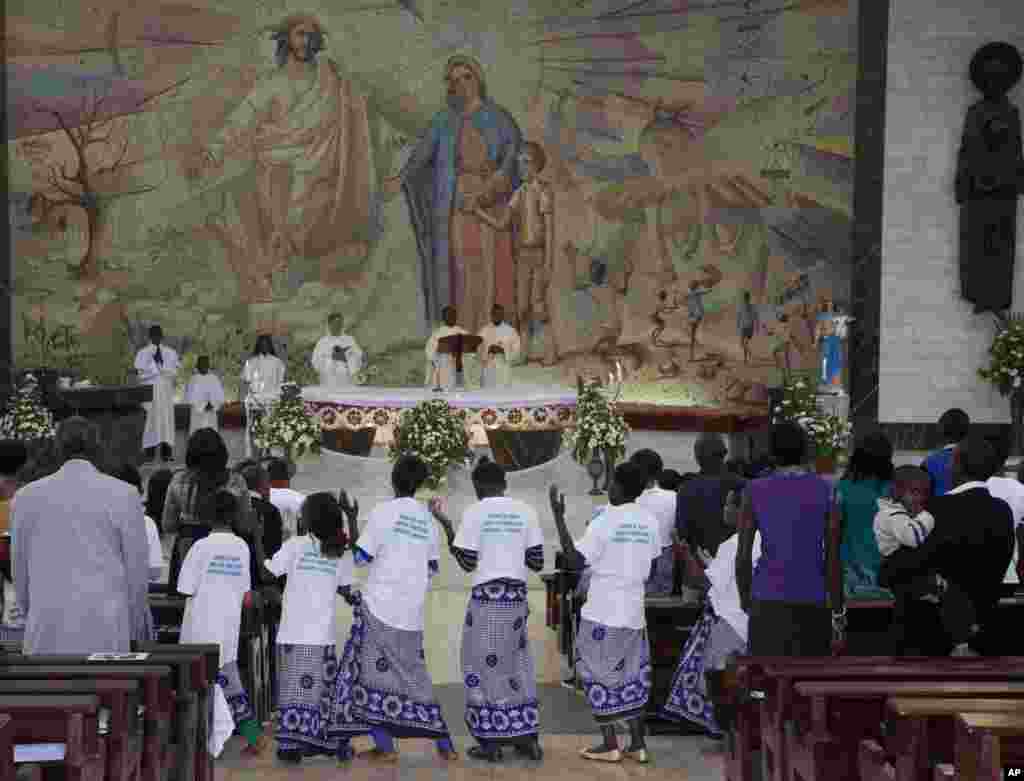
{"x":990,"y":172}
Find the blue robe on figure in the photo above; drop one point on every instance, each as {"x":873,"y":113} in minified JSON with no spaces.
{"x":830,"y":353}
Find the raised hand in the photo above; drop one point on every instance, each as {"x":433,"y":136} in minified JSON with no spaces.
{"x":557,"y":503}
{"x":348,"y":506}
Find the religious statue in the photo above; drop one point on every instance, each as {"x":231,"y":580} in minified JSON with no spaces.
{"x":990,"y":171}
{"x":830,"y":332}
{"x":466,"y":160}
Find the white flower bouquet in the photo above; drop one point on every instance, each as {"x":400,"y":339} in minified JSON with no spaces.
{"x":599,"y":427}
{"x":436,"y":433}
{"x":288,"y":426}
{"x":25,"y":417}
{"x":829,"y":433}
{"x":1006,"y":365}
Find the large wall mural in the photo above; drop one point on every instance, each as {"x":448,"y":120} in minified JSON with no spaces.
{"x":243,"y":166}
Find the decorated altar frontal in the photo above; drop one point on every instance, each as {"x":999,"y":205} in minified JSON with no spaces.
{"x":513,"y":408}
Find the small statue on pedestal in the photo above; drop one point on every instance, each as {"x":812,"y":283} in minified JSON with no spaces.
{"x":830,"y":333}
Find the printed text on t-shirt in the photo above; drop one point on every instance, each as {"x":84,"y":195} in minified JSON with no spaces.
{"x":632,"y":533}
{"x":502,"y":523}
{"x":225,"y":565}
{"x":314,"y":562}
{"x":412,"y":526}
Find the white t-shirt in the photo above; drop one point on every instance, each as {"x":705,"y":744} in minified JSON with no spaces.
{"x":308,"y":609}
{"x":1012,"y":492}
{"x":619,"y":546}
{"x":724,"y":594}
{"x":288,"y":502}
{"x":500,"y":530}
{"x":156,"y":551}
{"x":401,"y":538}
{"x":662,"y":505}
{"x":216,"y":575}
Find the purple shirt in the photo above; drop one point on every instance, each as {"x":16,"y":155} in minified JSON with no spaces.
{"x":791,"y":511}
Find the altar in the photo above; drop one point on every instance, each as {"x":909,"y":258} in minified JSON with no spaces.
{"x":514,"y":408}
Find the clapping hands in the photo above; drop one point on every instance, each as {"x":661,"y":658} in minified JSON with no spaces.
{"x":557,"y":503}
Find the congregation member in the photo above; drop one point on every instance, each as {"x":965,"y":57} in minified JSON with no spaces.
{"x":156,"y":495}
{"x":701,"y":500}
{"x":191,"y":492}
{"x":13,"y":457}
{"x":393,"y":692}
{"x":785,"y":596}
{"x":443,"y":371}
{"x":80,"y":554}
{"x":263,"y":373}
{"x":867,"y":479}
{"x":499,"y":539}
{"x":128,"y":473}
{"x":267,"y":516}
{"x":215,"y":576}
{"x":954,"y":425}
{"x":970,"y":547}
{"x":313,"y":693}
{"x":1011,"y":491}
{"x":157,"y":365}
{"x":204,"y":396}
{"x":286,"y":499}
{"x":670,"y":480}
{"x":662,"y":505}
{"x":612,"y":648}
{"x":499,"y":349}
{"x":337,"y":357}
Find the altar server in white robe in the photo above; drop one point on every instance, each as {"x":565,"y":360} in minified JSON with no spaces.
{"x":499,"y":350}
{"x":157,"y":365}
{"x":441,"y":368}
{"x":205,"y":396}
{"x":263,"y":373}
{"x":337,"y":357}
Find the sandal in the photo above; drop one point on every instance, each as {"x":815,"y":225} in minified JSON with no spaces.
{"x":485,"y":755}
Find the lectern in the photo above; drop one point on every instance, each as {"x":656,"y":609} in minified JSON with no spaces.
{"x":116,"y":409}
{"x":456,"y":346}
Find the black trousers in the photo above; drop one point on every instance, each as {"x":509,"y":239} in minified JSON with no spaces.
{"x":790,"y":629}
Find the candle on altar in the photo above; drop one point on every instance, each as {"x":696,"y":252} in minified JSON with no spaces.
{"x":619,"y":367}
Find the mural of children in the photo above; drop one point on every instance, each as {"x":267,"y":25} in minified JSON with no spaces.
{"x":531,"y":211}
{"x":746,"y":323}
{"x":784,"y":343}
{"x":695,"y":303}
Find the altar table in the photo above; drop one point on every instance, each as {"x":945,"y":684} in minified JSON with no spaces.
{"x":511,"y":408}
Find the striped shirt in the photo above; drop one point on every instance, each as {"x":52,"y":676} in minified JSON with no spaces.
{"x":895,"y":527}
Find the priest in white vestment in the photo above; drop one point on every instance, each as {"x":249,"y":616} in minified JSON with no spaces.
{"x":157,"y":365}
{"x":205,"y":397}
{"x":337,"y":357}
{"x":441,"y":367}
{"x":500,"y":348}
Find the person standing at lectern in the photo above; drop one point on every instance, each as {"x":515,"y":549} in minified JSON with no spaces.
{"x":441,"y":368}
{"x":336,"y":357}
{"x":205,"y":397}
{"x":157,"y":365}
{"x":500,"y":348}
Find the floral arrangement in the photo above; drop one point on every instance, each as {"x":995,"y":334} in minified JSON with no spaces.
{"x":367,"y":374}
{"x":25,"y":417}
{"x":1006,"y":365}
{"x":829,"y":433}
{"x":288,"y":426}
{"x":599,"y":427}
{"x":435,"y":432}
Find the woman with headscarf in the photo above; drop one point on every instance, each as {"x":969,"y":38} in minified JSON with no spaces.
{"x":189,"y":504}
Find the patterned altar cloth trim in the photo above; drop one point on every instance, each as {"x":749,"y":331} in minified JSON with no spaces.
{"x":517,"y":411}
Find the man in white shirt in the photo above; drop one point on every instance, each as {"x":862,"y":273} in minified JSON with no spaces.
{"x":400,"y":546}
{"x":613,"y":654}
{"x":1012,"y":492}
{"x":500,"y":348}
{"x":286,"y":499}
{"x":441,"y":368}
{"x":662,"y":505}
{"x":205,"y":397}
{"x":498,"y":541}
{"x":157,"y":365}
{"x":336,"y":357}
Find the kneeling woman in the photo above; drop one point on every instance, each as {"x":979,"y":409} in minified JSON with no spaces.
{"x":613,"y":653}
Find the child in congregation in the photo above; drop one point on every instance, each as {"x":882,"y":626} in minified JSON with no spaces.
{"x":128,"y":473}
{"x":215,"y":577}
{"x":205,"y":397}
{"x":902,"y":521}
{"x":318,"y":569}
{"x":662,"y":505}
{"x":612,"y":648}
{"x":954,"y":425}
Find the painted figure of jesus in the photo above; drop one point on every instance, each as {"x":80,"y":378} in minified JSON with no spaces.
{"x":467,"y":160}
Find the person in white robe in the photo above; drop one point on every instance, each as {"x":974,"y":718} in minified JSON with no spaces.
{"x":337,"y":357}
{"x":157,"y":365}
{"x":262,"y":376}
{"x":205,"y":397}
{"x":441,"y":367}
{"x":498,"y":351}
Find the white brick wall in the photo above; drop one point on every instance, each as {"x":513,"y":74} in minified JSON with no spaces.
{"x":931,"y":342}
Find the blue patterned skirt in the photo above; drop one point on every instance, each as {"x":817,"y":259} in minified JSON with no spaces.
{"x":687,"y":697}
{"x":614,"y":665}
{"x":391,"y":686}
{"x":497,"y":666}
{"x":229,"y":679}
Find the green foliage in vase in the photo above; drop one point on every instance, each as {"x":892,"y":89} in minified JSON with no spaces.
{"x":599,"y":427}
{"x":1005,"y":368}
{"x":288,"y":426}
{"x":829,"y":434}
{"x":436,"y":433}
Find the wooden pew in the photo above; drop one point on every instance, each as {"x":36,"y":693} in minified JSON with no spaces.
{"x":843,"y":712}
{"x":157,"y":688}
{"x":921,"y":735}
{"x":120,"y":697}
{"x":71,"y":720}
{"x":6,"y":748}
{"x":979,"y":746}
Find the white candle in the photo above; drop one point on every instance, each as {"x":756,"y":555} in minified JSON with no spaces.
{"x":611,"y":379}
{"x":619,"y":367}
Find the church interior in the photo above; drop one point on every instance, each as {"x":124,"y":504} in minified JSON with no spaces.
{"x":452,"y":253}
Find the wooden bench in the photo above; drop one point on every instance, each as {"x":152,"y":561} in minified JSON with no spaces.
{"x":6,"y":748}
{"x":120,"y":697}
{"x":843,"y":712}
{"x":71,"y":720}
{"x":157,"y":693}
{"x":920,"y":735}
{"x":979,"y":747}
